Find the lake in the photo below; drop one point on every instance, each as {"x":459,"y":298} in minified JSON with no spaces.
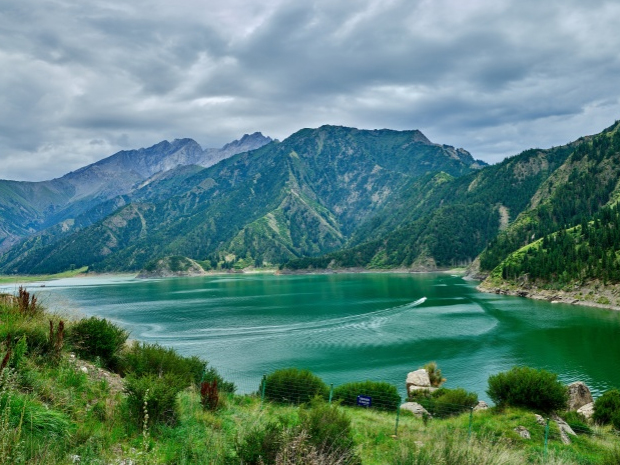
{"x":351,"y":327}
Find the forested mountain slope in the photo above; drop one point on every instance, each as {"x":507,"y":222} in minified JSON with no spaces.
{"x":303,"y":196}
{"x":442,"y":221}
{"x":571,"y":235}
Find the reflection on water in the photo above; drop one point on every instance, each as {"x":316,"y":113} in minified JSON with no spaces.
{"x":350,"y":327}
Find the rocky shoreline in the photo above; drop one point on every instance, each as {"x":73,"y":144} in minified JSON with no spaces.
{"x":594,"y":295}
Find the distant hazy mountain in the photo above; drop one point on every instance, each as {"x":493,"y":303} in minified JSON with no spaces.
{"x":304,"y":196}
{"x":28,"y":207}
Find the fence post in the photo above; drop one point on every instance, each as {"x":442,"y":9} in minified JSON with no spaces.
{"x":471,"y":421}
{"x":397,"y":417}
{"x":262,"y":390}
{"x":331,"y":393}
{"x":546,"y":441}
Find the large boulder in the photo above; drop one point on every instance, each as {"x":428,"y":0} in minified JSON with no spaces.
{"x":418,"y":380}
{"x":578,"y":395}
{"x":415,"y":408}
{"x":587,"y":410}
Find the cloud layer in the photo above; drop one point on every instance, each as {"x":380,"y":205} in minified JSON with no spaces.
{"x":82,"y":80}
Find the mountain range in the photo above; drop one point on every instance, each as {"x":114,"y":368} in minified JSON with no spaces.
{"x":325,"y":198}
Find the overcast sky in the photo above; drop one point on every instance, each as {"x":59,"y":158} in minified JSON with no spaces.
{"x":81,"y":80}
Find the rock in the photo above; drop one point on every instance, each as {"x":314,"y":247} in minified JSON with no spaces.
{"x":418,"y":379}
{"x":564,"y":428}
{"x":540,"y":420}
{"x":415,"y":408}
{"x":482,"y":405}
{"x":523,"y":432}
{"x":578,"y":395}
{"x":84,"y":369}
{"x":587,"y":410}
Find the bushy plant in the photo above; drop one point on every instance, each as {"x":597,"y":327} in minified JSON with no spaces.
{"x":291,"y":385}
{"x":434,"y":374}
{"x":328,"y":426}
{"x":384,"y":395}
{"x":529,"y":388}
{"x":606,"y":406}
{"x":578,"y":422}
{"x":160,"y":401}
{"x":153,"y":359}
{"x":445,"y":402}
{"x":95,"y":338}
{"x":260,"y":445}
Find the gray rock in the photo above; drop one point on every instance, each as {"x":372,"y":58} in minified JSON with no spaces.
{"x":587,"y":410}
{"x":540,"y":420}
{"x":415,"y":408}
{"x":523,"y":432}
{"x":418,"y":379}
{"x":578,"y":395}
{"x":564,"y":428}
{"x":482,"y":405}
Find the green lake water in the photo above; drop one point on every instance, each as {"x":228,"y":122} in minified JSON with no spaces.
{"x":352,"y":327}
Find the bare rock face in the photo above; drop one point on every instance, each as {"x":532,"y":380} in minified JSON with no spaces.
{"x":578,"y":395}
{"x":587,"y":410}
{"x":415,"y":408}
{"x":540,"y":420}
{"x":523,"y":432}
{"x":417,"y":380}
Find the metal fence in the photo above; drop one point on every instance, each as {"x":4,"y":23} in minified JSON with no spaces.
{"x":545,"y":431}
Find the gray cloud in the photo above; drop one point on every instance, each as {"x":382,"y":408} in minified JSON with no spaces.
{"x":82,"y":80}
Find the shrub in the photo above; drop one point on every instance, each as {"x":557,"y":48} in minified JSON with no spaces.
{"x":606,"y":406}
{"x":260,"y":445}
{"x":98,"y":338}
{"x":291,"y":385}
{"x":161,"y":400}
{"x":434,"y":374}
{"x":529,"y":388}
{"x":445,"y":402}
{"x":328,"y":427}
{"x":384,"y":395}
{"x":578,"y":422}
{"x":152,"y":359}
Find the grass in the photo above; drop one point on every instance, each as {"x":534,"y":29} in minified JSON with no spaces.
{"x":52,"y":412}
{"x":8,"y":279}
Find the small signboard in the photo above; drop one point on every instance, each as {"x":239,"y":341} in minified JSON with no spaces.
{"x":364,"y":401}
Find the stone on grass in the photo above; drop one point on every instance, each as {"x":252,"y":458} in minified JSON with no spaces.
{"x":415,"y":408}
{"x":523,"y":432}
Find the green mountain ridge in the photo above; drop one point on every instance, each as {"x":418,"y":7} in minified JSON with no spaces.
{"x":303,"y":196}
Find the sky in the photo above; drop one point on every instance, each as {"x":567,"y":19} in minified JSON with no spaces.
{"x":80,"y":80}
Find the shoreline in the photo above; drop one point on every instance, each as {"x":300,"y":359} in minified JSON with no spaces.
{"x":586,"y":296}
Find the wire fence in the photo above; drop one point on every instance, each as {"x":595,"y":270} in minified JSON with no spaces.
{"x":384,"y":397}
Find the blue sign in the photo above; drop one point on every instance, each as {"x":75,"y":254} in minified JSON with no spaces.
{"x":364,"y":401}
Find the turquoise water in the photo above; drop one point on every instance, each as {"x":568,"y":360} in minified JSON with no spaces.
{"x":352,"y":327}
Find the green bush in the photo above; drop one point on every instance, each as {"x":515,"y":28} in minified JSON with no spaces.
{"x":161,"y":399}
{"x":291,"y":385}
{"x":328,"y":427}
{"x":384,"y":395}
{"x":445,"y":402}
{"x":578,"y":422}
{"x":95,"y":338}
{"x":153,"y":359}
{"x":529,"y":388}
{"x":260,"y":445}
{"x":606,"y":406}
